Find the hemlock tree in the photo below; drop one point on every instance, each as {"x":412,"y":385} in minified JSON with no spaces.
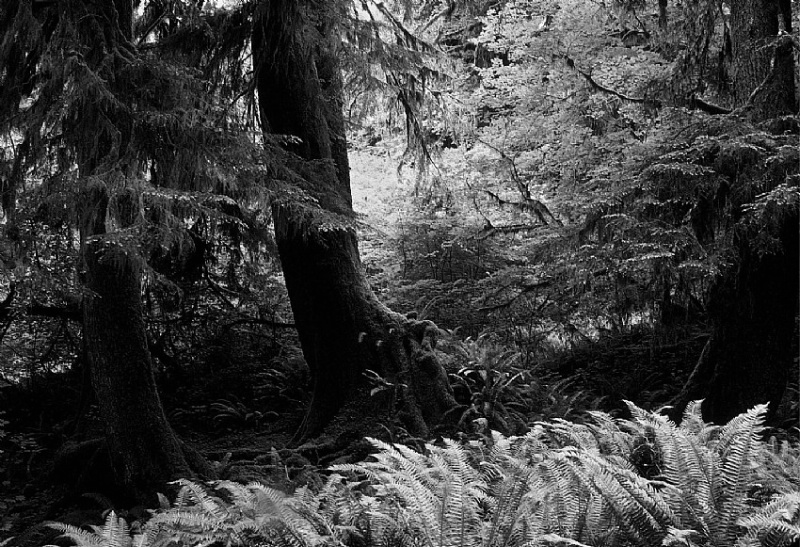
{"x":89,"y":114}
{"x":344,"y":329}
{"x":145,"y":451}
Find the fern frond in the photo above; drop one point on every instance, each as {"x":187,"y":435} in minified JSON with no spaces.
{"x":746,"y":423}
{"x":637,"y":506}
{"x":776,"y":524}
{"x":193,"y":494}
{"x":644,"y":416}
{"x":563,"y":433}
{"x":511,"y":500}
{"x":565,"y":498}
{"x":688,"y":466}
{"x":611,"y":439}
{"x":738,"y":448}
{"x":559,"y":540}
{"x":81,"y":538}
{"x":461,"y":487}
{"x":693,"y":424}
{"x":781,"y":470}
{"x":113,"y":533}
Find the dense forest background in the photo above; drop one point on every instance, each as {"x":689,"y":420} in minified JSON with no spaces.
{"x":419,"y":272}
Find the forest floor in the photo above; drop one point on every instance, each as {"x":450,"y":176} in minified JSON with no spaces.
{"x":242,"y":401}
{"x":237,"y":408}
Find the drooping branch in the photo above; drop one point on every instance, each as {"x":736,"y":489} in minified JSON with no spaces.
{"x":522,"y":290}
{"x":693,"y":102}
{"x":529,"y":203}
{"x":490,"y":230}
{"x":595,"y":85}
{"x":409,"y":38}
{"x":257,"y":321}
{"x":781,"y":44}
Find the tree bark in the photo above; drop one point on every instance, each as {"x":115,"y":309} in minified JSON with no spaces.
{"x":145,"y":452}
{"x":344,"y":330}
{"x":763,"y":61}
{"x":662,"y":15}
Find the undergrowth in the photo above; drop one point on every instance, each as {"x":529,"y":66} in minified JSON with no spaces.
{"x":639,"y":481}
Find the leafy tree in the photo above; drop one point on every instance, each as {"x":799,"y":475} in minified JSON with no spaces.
{"x":576,"y":151}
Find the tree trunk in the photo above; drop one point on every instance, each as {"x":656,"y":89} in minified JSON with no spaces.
{"x":145,"y":452}
{"x":753,"y":305}
{"x":344,"y":330}
{"x":753,"y":308}
{"x":763,"y":73}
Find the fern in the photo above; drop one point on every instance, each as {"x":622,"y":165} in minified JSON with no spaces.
{"x":113,"y":533}
{"x":455,"y":495}
{"x":709,"y":469}
{"x":774,"y":525}
{"x":515,"y":493}
{"x":781,"y":470}
{"x":240,"y":515}
{"x":616,"y":495}
{"x":438,"y":492}
{"x":565,"y":501}
{"x":562,"y":483}
{"x":738,"y":448}
{"x":508,"y":472}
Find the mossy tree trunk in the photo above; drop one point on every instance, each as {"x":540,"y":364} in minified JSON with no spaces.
{"x":753,"y":305}
{"x":344,"y":330}
{"x":763,"y":59}
{"x":144,"y":450}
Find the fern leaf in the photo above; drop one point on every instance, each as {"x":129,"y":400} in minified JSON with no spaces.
{"x":611,"y":439}
{"x":692,"y":414}
{"x":687,"y":465}
{"x":777,"y":523}
{"x":555,"y":476}
{"x":113,"y":533}
{"x":636,"y":505}
{"x":508,"y":492}
{"x":81,"y":538}
{"x":738,"y":447}
{"x":192,"y":493}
